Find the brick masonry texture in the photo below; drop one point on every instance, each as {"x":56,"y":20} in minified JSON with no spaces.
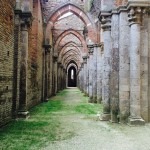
{"x":6,"y":59}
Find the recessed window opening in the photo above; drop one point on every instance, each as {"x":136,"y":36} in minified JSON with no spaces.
{"x":72,"y":74}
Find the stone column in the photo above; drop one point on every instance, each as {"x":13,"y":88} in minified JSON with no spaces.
{"x":144,"y":67}
{"x":16,"y":68}
{"x":55,"y":75}
{"x":26,"y":22}
{"x":114,"y":76}
{"x":91,"y":49}
{"x":46,"y":72}
{"x":87,"y":77}
{"x":85,"y":74}
{"x":64,"y":78}
{"x":99,"y":74}
{"x":79,"y":78}
{"x":124,"y":64}
{"x":135,"y":16}
{"x":46,"y":76}
{"x":94,"y":74}
{"x":105,"y":19}
{"x":59,"y":76}
{"x":82,"y":77}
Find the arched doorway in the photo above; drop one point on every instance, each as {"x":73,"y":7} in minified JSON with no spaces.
{"x":72,"y":79}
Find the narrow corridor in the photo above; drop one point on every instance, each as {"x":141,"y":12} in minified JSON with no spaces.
{"x":68,"y":122}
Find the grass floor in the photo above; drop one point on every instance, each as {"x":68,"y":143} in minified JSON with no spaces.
{"x":45,"y":124}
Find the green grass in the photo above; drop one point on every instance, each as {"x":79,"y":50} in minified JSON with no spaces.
{"x":88,"y":108}
{"x":45,"y":124}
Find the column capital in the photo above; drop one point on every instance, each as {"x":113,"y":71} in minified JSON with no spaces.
{"x":105,"y":19}
{"x":59,"y":63}
{"x":47,"y":48}
{"x":26,"y":19}
{"x":135,"y":15}
{"x":85,"y":59}
{"x":55,"y":58}
{"x":91,"y":49}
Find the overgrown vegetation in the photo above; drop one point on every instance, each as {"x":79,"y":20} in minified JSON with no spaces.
{"x":46,"y":123}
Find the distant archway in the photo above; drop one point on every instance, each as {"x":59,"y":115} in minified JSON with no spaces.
{"x":72,"y":77}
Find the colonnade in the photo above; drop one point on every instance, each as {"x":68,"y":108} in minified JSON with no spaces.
{"x":112,"y":72}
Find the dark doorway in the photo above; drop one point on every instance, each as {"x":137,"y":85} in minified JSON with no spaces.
{"x":72,"y":81}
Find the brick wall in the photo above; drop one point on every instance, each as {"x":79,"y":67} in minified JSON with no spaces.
{"x":6,"y":59}
{"x":120,"y":2}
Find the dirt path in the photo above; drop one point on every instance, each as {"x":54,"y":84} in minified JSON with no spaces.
{"x":88,"y":133}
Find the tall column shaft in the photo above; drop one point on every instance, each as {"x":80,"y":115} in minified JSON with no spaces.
{"x":85,"y":74}
{"x":114,"y":76}
{"x":124,"y":64}
{"x":135,"y":78}
{"x":91,"y":49}
{"x":106,"y":26}
{"x":94,"y":75}
{"x":23,"y":72}
{"x":99,"y":75}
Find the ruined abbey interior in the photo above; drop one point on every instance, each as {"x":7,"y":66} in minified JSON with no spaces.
{"x":100,"y":46}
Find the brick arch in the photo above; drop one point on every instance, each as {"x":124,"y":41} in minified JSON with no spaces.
{"x":72,"y":64}
{"x":72,"y":52}
{"x":64,"y":49}
{"x":69,"y":8}
{"x":70,"y":60}
{"x":71,"y":56}
{"x":76,"y":34}
{"x":92,"y":33}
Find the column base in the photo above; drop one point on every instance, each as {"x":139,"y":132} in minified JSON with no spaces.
{"x":23,"y":114}
{"x":136,"y":121}
{"x":105,"y":117}
{"x":114,"y":119}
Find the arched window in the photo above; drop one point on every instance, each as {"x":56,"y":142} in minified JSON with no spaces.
{"x":72,"y":74}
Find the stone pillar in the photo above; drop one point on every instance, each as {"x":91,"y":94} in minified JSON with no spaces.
{"x":105,"y":19}
{"x":26,"y":22}
{"x":144,"y":67}
{"x":91,"y":49}
{"x":124,"y":64}
{"x":59,"y":76}
{"x":82,"y":77}
{"x":114,"y":76}
{"x":99,"y":73}
{"x":16,"y":68}
{"x":55,"y":75}
{"x":46,"y":76}
{"x":46,"y":72}
{"x":135,"y":16}
{"x":94,"y":75}
{"x":79,"y":78}
{"x":85,"y":74}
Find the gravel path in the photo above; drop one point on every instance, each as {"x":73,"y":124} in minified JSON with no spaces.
{"x":92,"y":134}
